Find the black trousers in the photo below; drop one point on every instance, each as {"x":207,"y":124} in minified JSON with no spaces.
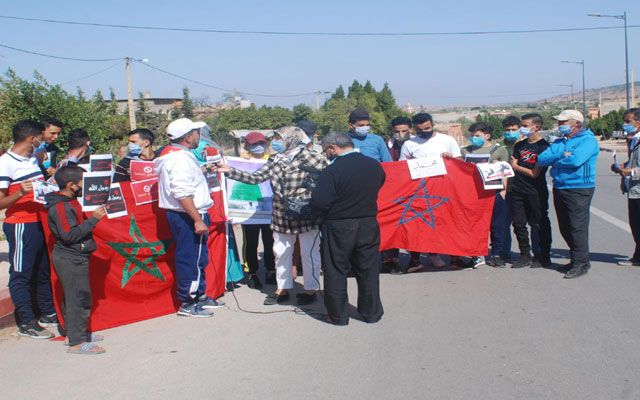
{"x":572,"y":209}
{"x":532,"y":209}
{"x":73,"y":273}
{"x":251,"y":234}
{"x":634,"y":223}
{"x":352,"y":244}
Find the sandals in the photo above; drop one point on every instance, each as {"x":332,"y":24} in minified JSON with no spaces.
{"x":90,"y":338}
{"x":85,"y":349}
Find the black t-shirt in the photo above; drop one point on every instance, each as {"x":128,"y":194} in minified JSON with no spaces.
{"x":527,"y":155}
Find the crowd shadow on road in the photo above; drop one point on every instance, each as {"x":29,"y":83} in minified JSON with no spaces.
{"x":4,"y":256}
{"x":606,"y":258}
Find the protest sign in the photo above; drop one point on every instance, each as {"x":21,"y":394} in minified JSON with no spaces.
{"x":249,"y":204}
{"x":477,"y":158}
{"x":213,"y":181}
{"x":142,"y":170}
{"x":95,"y":189}
{"x":426,"y":167}
{"x":145,"y":191}
{"x":101,"y":162}
{"x":116,"y":206}
{"x":41,"y":188}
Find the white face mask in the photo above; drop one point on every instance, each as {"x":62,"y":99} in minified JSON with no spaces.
{"x":362,"y":130}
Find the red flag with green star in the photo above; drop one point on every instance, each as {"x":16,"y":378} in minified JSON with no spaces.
{"x":132,"y":270}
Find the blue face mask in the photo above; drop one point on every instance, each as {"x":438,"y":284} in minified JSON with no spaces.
{"x":362,"y":130}
{"x":565,"y":129}
{"x":477,"y":141}
{"x":257,"y":148}
{"x":41,"y":148}
{"x":135,"y":149}
{"x":46,"y":164}
{"x":198,"y":152}
{"x":511,"y":136}
{"x":525,"y":132}
{"x":277,"y":145}
{"x":629,"y":128}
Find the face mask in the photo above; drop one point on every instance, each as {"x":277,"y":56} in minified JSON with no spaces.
{"x":198,"y":152}
{"x":477,"y":141}
{"x":46,"y":164}
{"x":565,"y":129}
{"x":400,"y":137}
{"x":277,"y":145}
{"x":629,"y":128}
{"x":311,"y":138}
{"x":525,"y":132}
{"x":40,"y":148}
{"x":511,"y":136}
{"x":257,"y":148}
{"x":362,"y":130}
{"x":135,"y":149}
{"x":78,"y":192}
{"x":424,"y":134}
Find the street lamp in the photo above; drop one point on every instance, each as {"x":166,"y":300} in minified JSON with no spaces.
{"x":584,"y":96}
{"x":626,"y":48}
{"x":571,"y":86}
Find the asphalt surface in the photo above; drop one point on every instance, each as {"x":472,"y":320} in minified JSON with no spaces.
{"x":480,"y":334}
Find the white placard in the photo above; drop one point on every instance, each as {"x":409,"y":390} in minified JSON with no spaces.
{"x":426,"y":167}
{"x":495,"y":170}
{"x":42,"y":188}
{"x":116,"y":206}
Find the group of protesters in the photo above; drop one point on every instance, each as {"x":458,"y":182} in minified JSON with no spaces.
{"x":324,"y":206}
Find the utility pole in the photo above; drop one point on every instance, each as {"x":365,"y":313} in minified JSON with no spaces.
{"x":317,"y":99}
{"x":633,"y":89}
{"x":235,"y":97}
{"x":584,"y":94}
{"x":132,"y":111}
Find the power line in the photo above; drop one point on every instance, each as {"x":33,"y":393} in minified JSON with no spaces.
{"x":221,"y":88}
{"x":60,"y":57}
{"x":247,"y":32}
{"x":94,"y":74}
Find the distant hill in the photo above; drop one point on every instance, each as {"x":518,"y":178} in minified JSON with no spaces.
{"x":614,"y":92}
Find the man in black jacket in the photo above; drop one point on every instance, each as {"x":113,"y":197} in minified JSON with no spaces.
{"x":346,"y":195}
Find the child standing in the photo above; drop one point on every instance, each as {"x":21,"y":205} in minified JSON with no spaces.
{"x":70,"y":256}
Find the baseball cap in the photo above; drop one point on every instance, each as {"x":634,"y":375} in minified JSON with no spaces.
{"x":254,"y":137}
{"x":569,"y":114}
{"x":180,"y":127}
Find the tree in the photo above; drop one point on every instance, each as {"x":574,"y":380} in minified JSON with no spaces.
{"x":22,"y":99}
{"x":338,"y":94}
{"x":187,"y":104}
{"x":98,"y":101}
{"x":142,"y":112}
{"x":113,"y":104}
{"x":302,"y":111}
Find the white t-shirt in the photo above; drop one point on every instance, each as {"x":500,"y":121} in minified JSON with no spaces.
{"x":439,"y":143}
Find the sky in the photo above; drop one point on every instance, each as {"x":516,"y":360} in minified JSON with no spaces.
{"x":427,"y":70}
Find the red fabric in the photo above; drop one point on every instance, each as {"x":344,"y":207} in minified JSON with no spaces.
{"x":62,"y":214}
{"x":457,"y":222}
{"x":25,"y":210}
{"x":143,"y":295}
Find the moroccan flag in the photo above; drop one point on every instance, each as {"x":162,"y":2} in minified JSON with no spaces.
{"x":132,"y":270}
{"x":447,"y":214}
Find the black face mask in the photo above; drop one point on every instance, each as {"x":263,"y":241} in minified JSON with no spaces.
{"x":78,"y":192}
{"x":424,"y":134}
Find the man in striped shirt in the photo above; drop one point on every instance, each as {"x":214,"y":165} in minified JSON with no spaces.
{"x":29,"y":272}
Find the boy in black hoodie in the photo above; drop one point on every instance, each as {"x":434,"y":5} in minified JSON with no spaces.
{"x":70,"y":256}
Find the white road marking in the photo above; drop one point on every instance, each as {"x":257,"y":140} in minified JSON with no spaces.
{"x":611,"y":219}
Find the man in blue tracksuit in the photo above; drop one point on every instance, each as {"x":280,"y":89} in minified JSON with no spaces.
{"x":573,"y":160}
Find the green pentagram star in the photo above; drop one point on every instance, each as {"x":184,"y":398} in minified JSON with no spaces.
{"x":139,"y":242}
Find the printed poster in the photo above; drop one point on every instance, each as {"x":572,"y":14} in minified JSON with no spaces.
{"x":116,"y":206}
{"x":248,"y":204}
{"x":101,"y":162}
{"x":41,"y":189}
{"x":145,"y":191}
{"x":95,"y":189}
{"x":142,"y":170}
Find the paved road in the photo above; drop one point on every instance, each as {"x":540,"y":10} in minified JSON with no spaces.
{"x":482,"y":334}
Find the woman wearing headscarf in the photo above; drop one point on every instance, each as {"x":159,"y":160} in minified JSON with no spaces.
{"x":290,"y":171}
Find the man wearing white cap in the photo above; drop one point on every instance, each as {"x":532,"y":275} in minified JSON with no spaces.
{"x":184,"y":193}
{"x":573,"y":160}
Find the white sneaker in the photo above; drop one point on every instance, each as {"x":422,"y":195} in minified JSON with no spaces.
{"x":478,"y":261}
{"x":436,"y":261}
